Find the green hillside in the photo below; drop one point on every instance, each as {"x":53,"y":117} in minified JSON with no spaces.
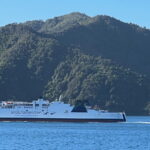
{"x":96,"y":59}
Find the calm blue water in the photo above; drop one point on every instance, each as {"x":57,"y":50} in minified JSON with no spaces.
{"x":132,"y":135}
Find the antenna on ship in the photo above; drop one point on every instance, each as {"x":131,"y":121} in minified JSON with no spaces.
{"x":60,"y":98}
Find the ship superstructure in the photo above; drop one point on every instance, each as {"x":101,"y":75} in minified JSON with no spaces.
{"x":43,"y":110}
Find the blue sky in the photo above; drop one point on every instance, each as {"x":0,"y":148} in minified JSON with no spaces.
{"x":135,"y":11}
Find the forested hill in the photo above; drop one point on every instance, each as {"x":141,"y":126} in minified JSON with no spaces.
{"x":97,"y":59}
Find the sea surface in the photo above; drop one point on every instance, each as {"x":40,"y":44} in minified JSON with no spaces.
{"x":132,"y":135}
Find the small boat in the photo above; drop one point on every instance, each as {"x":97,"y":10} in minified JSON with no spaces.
{"x":56,"y":111}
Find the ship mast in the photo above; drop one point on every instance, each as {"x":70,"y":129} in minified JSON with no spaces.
{"x":60,"y":98}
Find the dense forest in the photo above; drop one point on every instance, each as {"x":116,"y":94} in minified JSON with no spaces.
{"x":99,"y":60}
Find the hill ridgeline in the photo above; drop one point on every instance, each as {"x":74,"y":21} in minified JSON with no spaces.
{"x":97,"y":59}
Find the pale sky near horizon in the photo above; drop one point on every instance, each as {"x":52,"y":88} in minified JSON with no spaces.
{"x":134,"y":11}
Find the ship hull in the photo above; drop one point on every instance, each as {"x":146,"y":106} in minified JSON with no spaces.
{"x":43,"y":111}
{"x":62,"y":120}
